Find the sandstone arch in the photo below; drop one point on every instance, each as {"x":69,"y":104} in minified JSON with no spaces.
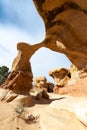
{"x":66,"y":28}
{"x":20,"y":78}
{"x":66,"y":32}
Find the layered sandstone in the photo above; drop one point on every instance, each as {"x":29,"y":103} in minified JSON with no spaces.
{"x":61,"y":77}
{"x":66,"y":28}
{"x":20,"y":78}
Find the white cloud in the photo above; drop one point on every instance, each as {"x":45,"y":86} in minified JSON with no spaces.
{"x":42,"y":61}
{"x":9,"y":37}
{"x":28,"y":27}
{"x":24,"y":14}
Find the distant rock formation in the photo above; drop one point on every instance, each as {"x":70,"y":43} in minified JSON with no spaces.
{"x":61,"y":77}
{"x":66,"y":28}
{"x":20,"y":78}
{"x":69,"y":81}
{"x":41,"y":83}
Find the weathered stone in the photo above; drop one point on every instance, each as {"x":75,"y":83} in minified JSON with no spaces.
{"x":3,"y":93}
{"x":56,"y":89}
{"x":61,"y":76}
{"x":9,"y":96}
{"x":59,"y":119}
{"x":77,"y":88}
{"x":76,"y":74}
{"x":20,"y":78}
{"x":41,"y":83}
{"x":42,"y":94}
{"x":45,"y":95}
{"x":19,"y":82}
{"x":22,"y":100}
{"x":66,"y":28}
{"x":66,"y":112}
{"x":50,"y":86}
{"x":76,"y":105}
{"x":39,"y":96}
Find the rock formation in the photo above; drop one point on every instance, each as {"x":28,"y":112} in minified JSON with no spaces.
{"x":41,"y":83}
{"x":76,"y":74}
{"x":66,"y":112}
{"x":42,"y":94}
{"x":50,"y":86}
{"x":66,"y":28}
{"x":61,"y":77}
{"x":20,"y":78}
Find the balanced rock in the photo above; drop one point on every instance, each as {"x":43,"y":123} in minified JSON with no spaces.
{"x":60,"y":76}
{"x":20,"y":78}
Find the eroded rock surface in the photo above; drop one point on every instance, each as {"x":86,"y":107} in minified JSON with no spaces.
{"x":66,"y":28}
{"x":65,"y":113}
{"x":76,"y":74}
{"x":20,"y":78}
{"x":60,"y":76}
{"x":19,"y":82}
{"x":41,"y":83}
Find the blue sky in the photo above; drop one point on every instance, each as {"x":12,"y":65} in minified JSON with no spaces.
{"x":19,"y":21}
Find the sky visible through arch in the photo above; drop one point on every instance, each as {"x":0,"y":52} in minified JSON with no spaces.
{"x":19,"y":21}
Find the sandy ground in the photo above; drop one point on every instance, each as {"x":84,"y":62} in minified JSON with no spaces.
{"x":12,"y":117}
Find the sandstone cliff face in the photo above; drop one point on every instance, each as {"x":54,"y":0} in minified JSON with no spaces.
{"x":66,"y":28}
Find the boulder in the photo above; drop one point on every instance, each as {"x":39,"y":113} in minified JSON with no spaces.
{"x":42,"y":94}
{"x":50,"y":86}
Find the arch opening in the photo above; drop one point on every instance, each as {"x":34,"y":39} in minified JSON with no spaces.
{"x":45,"y":59}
